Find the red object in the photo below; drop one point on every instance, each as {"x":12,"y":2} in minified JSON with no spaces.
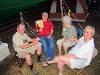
{"x":48,"y":26}
{"x":94,"y":1}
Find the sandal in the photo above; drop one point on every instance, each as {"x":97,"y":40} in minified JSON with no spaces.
{"x":44,"y":64}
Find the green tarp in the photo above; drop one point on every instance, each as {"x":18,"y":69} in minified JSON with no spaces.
{"x":9,"y":8}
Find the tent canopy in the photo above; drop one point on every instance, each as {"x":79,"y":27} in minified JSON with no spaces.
{"x":9,"y":8}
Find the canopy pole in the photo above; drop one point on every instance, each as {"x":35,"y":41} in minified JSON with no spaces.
{"x":21,"y":17}
{"x":61,"y":8}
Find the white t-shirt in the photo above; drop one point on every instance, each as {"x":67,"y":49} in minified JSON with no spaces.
{"x":84,"y":50}
{"x":19,"y":39}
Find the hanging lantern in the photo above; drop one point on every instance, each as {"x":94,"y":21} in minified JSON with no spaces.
{"x":69,"y":12}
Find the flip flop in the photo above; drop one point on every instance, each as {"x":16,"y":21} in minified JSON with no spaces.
{"x":44,"y":64}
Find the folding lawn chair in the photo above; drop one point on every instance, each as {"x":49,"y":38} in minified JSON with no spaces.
{"x":79,"y":70}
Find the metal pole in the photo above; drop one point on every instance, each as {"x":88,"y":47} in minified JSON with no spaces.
{"x":21,"y":18}
{"x":61,"y":8}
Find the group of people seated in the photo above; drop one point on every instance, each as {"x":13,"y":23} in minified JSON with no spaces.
{"x":79,"y":56}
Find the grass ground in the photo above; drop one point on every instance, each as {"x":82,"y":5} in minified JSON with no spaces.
{"x":10,"y":66}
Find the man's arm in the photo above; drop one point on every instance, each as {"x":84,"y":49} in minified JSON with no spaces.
{"x":30,"y":43}
{"x":52,"y":29}
{"x":51,"y":33}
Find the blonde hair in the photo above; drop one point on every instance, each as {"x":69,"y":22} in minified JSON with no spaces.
{"x":67,"y":19}
{"x":90,"y":27}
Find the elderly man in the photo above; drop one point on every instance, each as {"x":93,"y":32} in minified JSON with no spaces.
{"x":80,"y":55}
{"x":68,"y":33}
{"x":24,"y":45}
{"x":45,"y":29}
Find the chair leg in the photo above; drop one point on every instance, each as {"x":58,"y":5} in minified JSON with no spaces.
{"x":20,"y":61}
{"x":78,"y":72}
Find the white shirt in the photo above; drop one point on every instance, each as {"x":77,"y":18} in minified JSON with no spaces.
{"x":84,"y":50}
{"x":19,"y":39}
